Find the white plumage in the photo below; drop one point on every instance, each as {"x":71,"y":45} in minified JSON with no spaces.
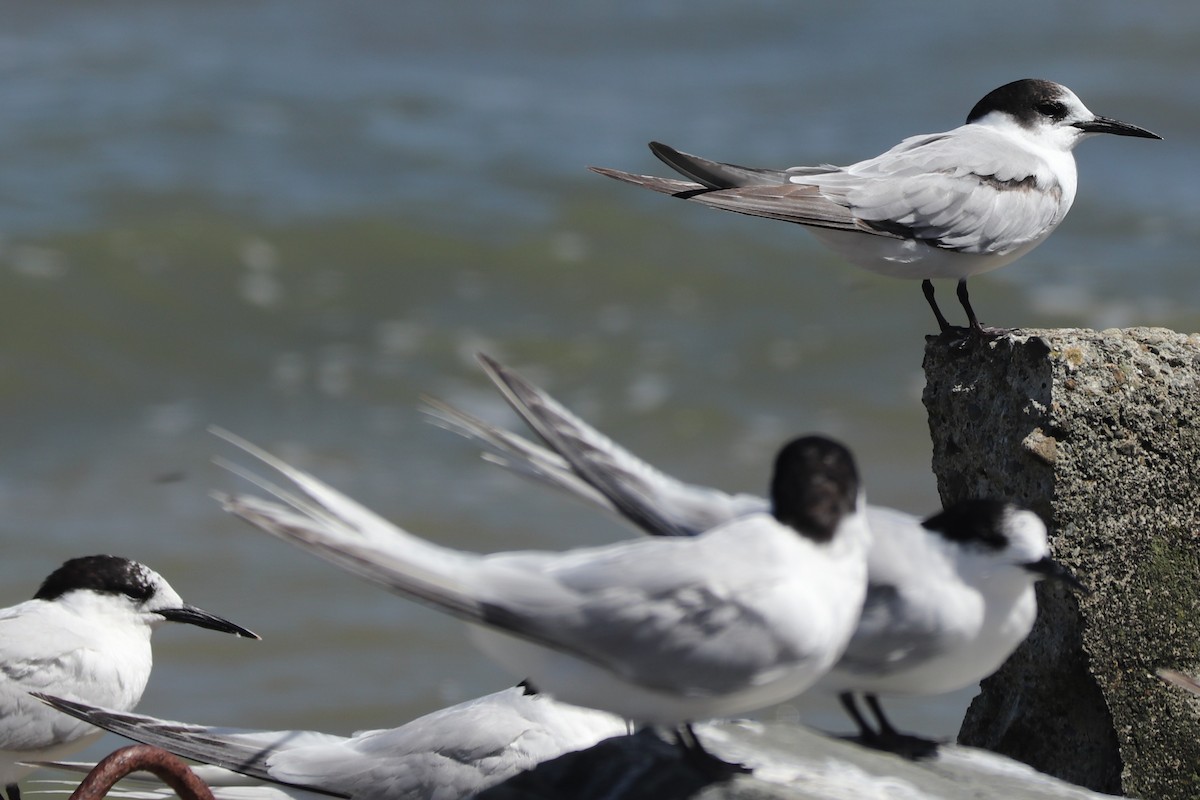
{"x":940,"y":205}
{"x":85,"y":635}
{"x":448,"y":754}
{"x":656,"y":630}
{"x":948,"y":598}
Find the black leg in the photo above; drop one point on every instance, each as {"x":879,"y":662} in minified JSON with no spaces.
{"x":980,"y":331}
{"x":865,"y":731}
{"x":892,"y":740}
{"x":927,"y":288}
{"x":711,"y":766}
{"x":966,"y":304}
{"x":885,"y":727}
{"x":13,"y":791}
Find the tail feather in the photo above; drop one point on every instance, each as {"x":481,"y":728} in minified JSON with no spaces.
{"x":446,"y":579}
{"x":671,"y":186}
{"x":332,"y":526}
{"x":244,"y":752}
{"x":431,"y":580}
{"x":515,"y":453}
{"x":748,"y":190}
{"x":330,"y":504}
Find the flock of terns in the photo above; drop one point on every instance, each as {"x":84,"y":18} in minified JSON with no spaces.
{"x":725,"y":603}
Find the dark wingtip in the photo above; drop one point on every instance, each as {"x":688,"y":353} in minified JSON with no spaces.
{"x":487,"y":361}
{"x":666,"y":154}
{"x":62,"y":704}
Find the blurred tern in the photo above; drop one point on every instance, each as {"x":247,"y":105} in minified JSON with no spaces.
{"x":450,"y":753}
{"x":948,"y":598}
{"x":940,"y":205}
{"x":667,"y":630}
{"x":84,"y":635}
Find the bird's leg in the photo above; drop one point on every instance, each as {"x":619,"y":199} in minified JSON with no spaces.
{"x":865,"y":732}
{"x":698,"y":756}
{"x":885,"y":726}
{"x":965,"y":299}
{"x":943,"y":325}
{"x":981,"y":331}
{"x":892,"y":740}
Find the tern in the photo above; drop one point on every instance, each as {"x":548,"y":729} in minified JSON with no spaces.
{"x":938,"y":205}
{"x":660,"y":630}
{"x":450,"y":753}
{"x":948,"y":597}
{"x":84,"y":635}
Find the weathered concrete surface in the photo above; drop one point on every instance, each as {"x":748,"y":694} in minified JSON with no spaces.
{"x":1099,"y":432}
{"x":789,"y":762}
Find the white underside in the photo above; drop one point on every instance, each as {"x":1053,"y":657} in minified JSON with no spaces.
{"x":912,"y":259}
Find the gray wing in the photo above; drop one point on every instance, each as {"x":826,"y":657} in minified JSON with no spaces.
{"x":629,"y":608}
{"x":758,"y":192}
{"x":714,"y":174}
{"x":654,"y":502}
{"x":899,"y":624}
{"x":331,"y":526}
{"x":886,"y":639}
{"x":677,"y":614}
{"x":804,"y":205}
{"x":969,"y":190}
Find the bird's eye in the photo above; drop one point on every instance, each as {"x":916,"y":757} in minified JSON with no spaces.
{"x":1052,"y":109}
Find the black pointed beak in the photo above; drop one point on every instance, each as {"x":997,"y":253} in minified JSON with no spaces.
{"x":198,"y":616}
{"x":1115,"y":127}
{"x":1050,"y":569}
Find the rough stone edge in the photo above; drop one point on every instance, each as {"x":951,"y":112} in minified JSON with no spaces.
{"x":1049,"y":706}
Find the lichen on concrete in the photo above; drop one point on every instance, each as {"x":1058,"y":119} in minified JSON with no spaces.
{"x":1100,"y":433}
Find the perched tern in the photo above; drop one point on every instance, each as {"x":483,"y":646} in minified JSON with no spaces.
{"x":451,"y":753}
{"x":84,"y":635}
{"x":938,"y":205}
{"x":666,"y":630}
{"x":948,"y":598}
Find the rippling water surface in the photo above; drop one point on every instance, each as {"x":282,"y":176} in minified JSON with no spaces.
{"x":293,"y":219}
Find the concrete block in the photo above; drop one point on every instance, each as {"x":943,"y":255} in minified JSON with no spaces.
{"x":1100,"y":433}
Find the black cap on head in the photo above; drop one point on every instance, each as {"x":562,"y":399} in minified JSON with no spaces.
{"x":108,"y":574}
{"x":1026,"y":100}
{"x":815,"y":484}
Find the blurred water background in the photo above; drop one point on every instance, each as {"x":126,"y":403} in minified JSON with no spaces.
{"x":293,"y":218}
